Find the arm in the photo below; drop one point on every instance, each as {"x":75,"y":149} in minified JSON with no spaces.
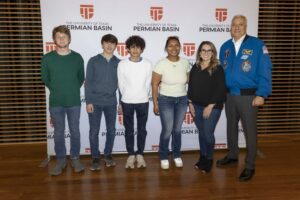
{"x":156,"y":78}
{"x":88,"y":87}
{"x":219,"y":91}
{"x":45,"y":73}
{"x":81,"y":71}
{"x":264,"y":74}
{"x":120,"y":79}
{"x":148,"y":81}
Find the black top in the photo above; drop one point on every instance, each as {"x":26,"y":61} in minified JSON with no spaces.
{"x":207,"y":89}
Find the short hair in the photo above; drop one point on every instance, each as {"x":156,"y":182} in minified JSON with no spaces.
{"x":61,"y":29}
{"x":135,"y":40}
{"x":171,"y":38}
{"x":109,"y":38}
{"x":240,"y":16}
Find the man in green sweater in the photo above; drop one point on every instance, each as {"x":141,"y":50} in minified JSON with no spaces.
{"x":63,"y":74}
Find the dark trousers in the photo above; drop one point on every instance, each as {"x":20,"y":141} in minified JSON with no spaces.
{"x":141,"y":110}
{"x":240,"y":108}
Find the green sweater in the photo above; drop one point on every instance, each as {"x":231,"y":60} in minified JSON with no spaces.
{"x":63,"y":75}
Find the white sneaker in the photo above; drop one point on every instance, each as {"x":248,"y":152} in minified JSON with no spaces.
{"x":164,"y":164}
{"x":140,"y":161}
{"x":130,"y":162}
{"x":178,"y":162}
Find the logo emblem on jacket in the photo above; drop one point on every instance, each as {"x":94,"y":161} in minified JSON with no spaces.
{"x":227,"y":53}
{"x":246,"y":66}
{"x":247,"y":51}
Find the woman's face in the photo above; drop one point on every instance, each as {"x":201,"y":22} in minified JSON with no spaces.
{"x":173,"y":48}
{"x":206,"y":52}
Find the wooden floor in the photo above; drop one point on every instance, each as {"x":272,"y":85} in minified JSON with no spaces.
{"x":277,"y":176}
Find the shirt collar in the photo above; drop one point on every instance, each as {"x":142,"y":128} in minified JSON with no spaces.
{"x":239,"y":40}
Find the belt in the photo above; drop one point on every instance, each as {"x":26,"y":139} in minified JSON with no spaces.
{"x":248,"y":92}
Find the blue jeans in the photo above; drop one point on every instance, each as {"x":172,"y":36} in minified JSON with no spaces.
{"x":110,"y":114}
{"x":141,"y":110}
{"x":172,"y":111}
{"x":58,"y":115}
{"x":206,"y":129}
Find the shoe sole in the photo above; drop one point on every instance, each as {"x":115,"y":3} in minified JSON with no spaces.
{"x":228,"y":164}
{"x":78,"y":170}
{"x":95,"y":169}
{"x":179,"y":166}
{"x":110,"y":165}
{"x":141,"y":166}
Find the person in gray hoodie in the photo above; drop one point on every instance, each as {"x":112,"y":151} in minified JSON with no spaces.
{"x":100,"y":92}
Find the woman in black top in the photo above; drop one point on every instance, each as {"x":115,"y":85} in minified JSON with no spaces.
{"x":206,"y":93}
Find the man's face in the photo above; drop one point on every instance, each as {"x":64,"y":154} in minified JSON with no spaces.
{"x":135,"y":51}
{"x":108,"y":47}
{"x":238,"y":28}
{"x":61,"y":40}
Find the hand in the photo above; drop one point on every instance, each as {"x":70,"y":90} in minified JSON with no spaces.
{"x":258,"y":101}
{"x":89,"y":108}
{"x":155,"y":109}
{"x":207,"y":111}
{"x":192,"y":109}
{"x":120,"y":110}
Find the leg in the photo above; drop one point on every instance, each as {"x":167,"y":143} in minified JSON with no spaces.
{"x":166,"y":109}
{"x":232,"y":126}
{"x":142,"y":117}
{"x":58,"y":115}
{"x":248,"y":118}
{"x":128,"y":114}
{"x":209,"y":129}
{"x":94,"y":121}
{"x":110,"y":113}
{"x":198,"y":119}
{"x":73,"y":115}
{"x":179,"y":114}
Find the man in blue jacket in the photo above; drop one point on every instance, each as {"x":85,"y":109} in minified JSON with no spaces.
{"x":248,"y":73}
{"x":100,"y":93}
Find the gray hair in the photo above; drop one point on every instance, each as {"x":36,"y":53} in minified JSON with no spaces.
{"x":240,"y":16}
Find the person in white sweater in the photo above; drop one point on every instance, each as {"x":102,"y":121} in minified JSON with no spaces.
{"x":134,"y":80}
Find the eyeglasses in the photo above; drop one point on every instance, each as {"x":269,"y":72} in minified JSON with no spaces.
{"x":206,"y":51}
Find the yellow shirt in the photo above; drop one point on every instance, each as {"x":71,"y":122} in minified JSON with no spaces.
{"x":174,"y":77}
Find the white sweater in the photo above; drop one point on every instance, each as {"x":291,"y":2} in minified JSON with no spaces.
{"x":134,"y":80}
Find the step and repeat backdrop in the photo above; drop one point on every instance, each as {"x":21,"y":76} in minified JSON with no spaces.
{"x":193,"y":21}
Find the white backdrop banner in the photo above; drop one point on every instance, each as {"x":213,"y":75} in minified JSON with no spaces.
{"x":192,"y":20}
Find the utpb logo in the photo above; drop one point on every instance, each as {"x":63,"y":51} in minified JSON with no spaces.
{"x":87,"y":11}
{"x":221,"y":14}
{"x":189,"y":49}
{"x":50,"y":46}
{"x":155,"y":147}
{"x":120,"y":119}
{"x":188,"y":119}
{"x":156,"y":13}
{"x":87,"y":150}
{"x":121,"y":48}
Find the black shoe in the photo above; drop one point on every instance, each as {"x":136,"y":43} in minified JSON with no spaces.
{"x":200,"y":163}
{"x":247,"y":174}
{"x":207,"y":166}
{"x":226,"y":161}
